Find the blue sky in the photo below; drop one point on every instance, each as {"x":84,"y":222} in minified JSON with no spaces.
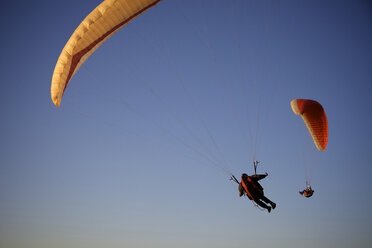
{"x":115,"y":165}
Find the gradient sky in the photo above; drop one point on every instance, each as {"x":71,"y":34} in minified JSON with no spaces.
{"x":115,"y":165}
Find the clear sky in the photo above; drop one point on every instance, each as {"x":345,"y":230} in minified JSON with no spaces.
{"x":135,"y":155}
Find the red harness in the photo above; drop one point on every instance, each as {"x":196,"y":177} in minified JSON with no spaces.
{"x":246,"y":188}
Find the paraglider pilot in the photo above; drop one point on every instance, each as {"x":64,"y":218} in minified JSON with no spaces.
{"x":307,"y":192}
{"x":249,"y":185}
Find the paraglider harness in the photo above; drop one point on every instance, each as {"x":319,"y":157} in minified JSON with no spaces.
{"x":233,"y":178}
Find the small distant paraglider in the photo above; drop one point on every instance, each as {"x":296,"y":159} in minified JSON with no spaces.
{"x":308,"y":192}
{"x":315,"y":119}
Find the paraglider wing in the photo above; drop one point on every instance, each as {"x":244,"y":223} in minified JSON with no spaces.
{"x":315,"y":119}
{"x":93,"y":31}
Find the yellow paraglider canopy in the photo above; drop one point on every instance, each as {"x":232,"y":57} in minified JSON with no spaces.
{"x":93,"y":31}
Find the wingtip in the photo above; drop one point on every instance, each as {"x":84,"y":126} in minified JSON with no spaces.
{"x":56,"y":102}
{"x":294,"y":106}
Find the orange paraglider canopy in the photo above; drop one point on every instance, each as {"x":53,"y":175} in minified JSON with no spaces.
{"x":315,"y":119}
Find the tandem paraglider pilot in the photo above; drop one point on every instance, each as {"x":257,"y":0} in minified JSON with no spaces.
{"x":249,"y":186}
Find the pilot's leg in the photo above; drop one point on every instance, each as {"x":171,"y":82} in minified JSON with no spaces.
{"x":263,"y":205}
{"x":268,"y":201}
